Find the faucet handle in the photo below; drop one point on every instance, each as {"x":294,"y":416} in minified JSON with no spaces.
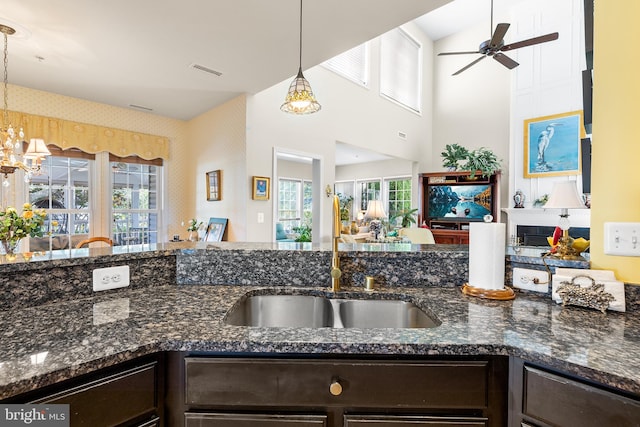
{"x":369,"y":283}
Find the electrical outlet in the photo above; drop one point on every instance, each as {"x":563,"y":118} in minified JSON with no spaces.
{"x":622,"y":238}
{"x":531,"y":280}
{"x":110,"y":278}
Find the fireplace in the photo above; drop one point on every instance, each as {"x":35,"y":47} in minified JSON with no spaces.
{"x":533,"y":226}
{"x":536,"y":235}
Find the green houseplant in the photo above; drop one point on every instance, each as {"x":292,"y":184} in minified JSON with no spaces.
{"x":408,"y":217}
{"x":452,"y":155}
{"x":345,"y":203}
{"x":482,"y":159}
{"x":457,"y":157}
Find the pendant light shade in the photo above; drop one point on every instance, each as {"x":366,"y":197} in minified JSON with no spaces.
{"x":300,"y":98}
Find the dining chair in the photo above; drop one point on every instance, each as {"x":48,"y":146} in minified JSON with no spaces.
{"x":95,"y":239}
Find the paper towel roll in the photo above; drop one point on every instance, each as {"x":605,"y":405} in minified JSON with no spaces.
{"x":486,"y":255}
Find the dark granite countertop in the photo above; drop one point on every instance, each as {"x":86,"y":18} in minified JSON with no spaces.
{"x":45,"y":344}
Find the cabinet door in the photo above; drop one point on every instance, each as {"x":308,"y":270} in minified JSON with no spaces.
{"x":410,"y":421}
{"x":231,"y":382}
{"x":544,"y":398}
{"x":253,"y":420}
{"x":111,"y":400}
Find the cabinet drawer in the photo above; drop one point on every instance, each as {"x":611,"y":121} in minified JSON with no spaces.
{"x":560,"y":401}
{"x":253,"y":420}
{"x":110,"y":400}
{"x":276,"y":382}
{"x":410,"y":421}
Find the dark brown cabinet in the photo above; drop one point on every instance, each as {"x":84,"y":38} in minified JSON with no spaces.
{"x":450,"y":201}
{"x":257,"y":392}
{"x":545,"y":398}
{"x":127,"y":395}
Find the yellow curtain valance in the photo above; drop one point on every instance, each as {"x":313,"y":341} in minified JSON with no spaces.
{"x":90,"y":138}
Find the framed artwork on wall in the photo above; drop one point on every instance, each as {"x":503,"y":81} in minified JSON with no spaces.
{"x":214,"y":185}
{"x":261,"y":186}
{"x":552,"y":145}
{"x":215,"y":229}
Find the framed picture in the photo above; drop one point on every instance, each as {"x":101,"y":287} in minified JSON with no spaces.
{"x":214,"y":185}
{"x":215,"y":229}
{"x":261,"y":186}
{"x":552,"y":145}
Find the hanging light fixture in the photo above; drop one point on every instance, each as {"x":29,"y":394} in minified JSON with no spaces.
{"x":11,"y":141}
{"x":300,"y":99}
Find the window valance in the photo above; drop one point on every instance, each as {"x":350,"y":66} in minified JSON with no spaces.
{"x":91,"y":138}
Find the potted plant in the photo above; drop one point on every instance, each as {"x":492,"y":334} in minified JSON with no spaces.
{"x":482,"y":159}
{"x":452,"y":155}
{"x":345,"y":203}
{"x":407,"y":215}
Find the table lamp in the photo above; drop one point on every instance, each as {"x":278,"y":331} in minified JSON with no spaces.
{"x":375,"y":211}
{"x":565,"y":196}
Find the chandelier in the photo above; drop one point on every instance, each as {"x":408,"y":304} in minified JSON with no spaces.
{"x":300,"y":99}
{"x":11,"y":157}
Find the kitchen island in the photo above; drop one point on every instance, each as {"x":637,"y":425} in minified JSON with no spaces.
{"x":63,"y":338}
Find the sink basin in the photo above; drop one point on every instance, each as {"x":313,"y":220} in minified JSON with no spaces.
{"x":383,"y":314}
{"x":307,"y":311}
{"x":291,"y":311}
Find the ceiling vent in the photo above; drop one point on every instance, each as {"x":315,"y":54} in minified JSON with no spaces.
{"x":206,"y":69}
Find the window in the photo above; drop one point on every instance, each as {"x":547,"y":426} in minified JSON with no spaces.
{"x":135,"y":200}
{"x":400,"y":69}
{"x":63,"y":191}
{"x":367,"y":190}
{"x":352,"y":64}
{"x":294,"y":203}
{"x":398,"y":195}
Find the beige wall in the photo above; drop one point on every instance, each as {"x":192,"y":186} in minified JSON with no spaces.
{"x":217,"y":141}
{"x":178,"y":205}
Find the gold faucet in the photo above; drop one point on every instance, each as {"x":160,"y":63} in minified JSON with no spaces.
{"x":335,"y":236}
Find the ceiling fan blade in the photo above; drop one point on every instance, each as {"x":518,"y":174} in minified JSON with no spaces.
{"x":536,"y":40}
{"x":468,"y":66}
{"x":505,"y":60}
{"x":498,"y":35}
{"x":458,"y":53}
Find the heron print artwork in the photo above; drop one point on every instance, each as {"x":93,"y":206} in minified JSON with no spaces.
{"x":552,"y":145}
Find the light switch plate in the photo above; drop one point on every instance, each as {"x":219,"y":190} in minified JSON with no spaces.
{"x":110,"y":278}
{"x":622,"y":238}
{"x":531,"y":280}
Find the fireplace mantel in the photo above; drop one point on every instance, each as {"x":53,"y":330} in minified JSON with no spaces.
{"x":546,"y":217}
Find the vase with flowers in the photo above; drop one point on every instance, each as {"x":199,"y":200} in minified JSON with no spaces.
{"x":15,"y":226}
{"x":193,"y":228}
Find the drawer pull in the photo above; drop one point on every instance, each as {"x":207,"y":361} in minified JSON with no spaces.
{"x":335,"y":388}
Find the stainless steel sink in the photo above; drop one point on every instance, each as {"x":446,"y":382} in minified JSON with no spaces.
{"x":383,"y":314}
{"x":306,"y":311}
{"x":292,"y":311}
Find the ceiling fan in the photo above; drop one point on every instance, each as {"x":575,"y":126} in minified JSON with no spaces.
{"x":495,"y":46}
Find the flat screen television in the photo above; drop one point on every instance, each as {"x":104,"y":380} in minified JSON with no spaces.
{"x":469,"y":202}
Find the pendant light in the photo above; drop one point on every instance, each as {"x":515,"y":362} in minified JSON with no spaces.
{"x":300,"y":99}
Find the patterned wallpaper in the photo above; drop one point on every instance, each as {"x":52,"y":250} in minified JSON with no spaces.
{"x":180,"y":201}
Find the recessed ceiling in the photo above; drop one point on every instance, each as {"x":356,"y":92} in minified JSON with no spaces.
{"x":139,"y":54}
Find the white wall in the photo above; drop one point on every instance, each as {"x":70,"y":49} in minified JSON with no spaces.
{"x":548,"y":80}
{"x":472,"y":108}
{"x":383,"y":168}
{"x":350,"y":113}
